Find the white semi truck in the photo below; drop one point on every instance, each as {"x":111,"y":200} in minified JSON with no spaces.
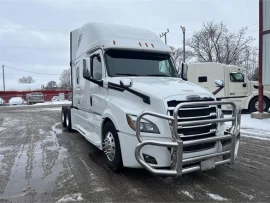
{"x":237,"y":88}
{"x":130,"y":103}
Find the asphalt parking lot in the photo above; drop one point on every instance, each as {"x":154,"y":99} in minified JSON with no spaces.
{"x":40,"y":162}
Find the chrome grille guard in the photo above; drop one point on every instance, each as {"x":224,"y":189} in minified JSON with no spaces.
{"x":233,"y":134}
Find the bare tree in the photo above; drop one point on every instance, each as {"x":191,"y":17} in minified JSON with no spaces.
{"x":51,"y":85}
{"x":26,"y":80}
{"x":252,"y":65}
{"x":65,"y":79}
{"x":214,"y":43}
{"x":178,"y":57}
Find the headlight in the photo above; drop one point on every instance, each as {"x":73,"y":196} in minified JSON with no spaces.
{"x":145,"y":125}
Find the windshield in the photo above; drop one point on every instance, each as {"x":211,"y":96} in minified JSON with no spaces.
{"x":135,"y":63}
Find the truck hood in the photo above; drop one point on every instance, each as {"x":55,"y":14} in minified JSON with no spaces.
{"x":256,"y":84}
{"x":163,"y":87}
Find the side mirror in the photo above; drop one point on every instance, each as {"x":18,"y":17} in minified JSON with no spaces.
{"x":184,"y":71}
{"x":126,"y":82}
{"x":219,"y":83}
{"x":86,"y":68}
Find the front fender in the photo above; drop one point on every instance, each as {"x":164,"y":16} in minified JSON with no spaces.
{"x":253,"y":94}
{"x":117,"y":114}
{"x":108,"y":114}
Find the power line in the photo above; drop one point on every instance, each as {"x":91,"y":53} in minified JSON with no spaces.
{"x":35,"y":29}
{"x":45,"y":48}
{"x":13,"y":61}
{"x":31,"y":71}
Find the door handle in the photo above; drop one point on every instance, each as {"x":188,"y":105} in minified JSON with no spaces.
{"x":232,"y":93}
{"x":244,"y":85}
{"x":91,"y":101}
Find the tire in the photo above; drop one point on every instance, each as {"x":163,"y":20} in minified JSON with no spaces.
{"x":68,"y":120}
{"x":226,"y":148}
{"x":63,"y":117}
{"x":254,"y":102}
{"x":112,"y":144}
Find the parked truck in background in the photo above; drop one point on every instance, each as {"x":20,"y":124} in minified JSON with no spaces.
{"x":238,"y":88}
{"x":34,"y":97}
{"x":129,"y":101}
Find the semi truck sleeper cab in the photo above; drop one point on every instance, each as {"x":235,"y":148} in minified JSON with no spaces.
{"x":131,"y":103}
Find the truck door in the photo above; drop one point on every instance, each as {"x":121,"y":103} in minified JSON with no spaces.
{"x":94,"y":96}
{"x":237,"y":85}
{"x":96,"y":92}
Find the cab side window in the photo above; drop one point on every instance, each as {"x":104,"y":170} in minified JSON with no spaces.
{"x":96,"y":67}
{"x":237,"y":77}
{"x":202,"y":79}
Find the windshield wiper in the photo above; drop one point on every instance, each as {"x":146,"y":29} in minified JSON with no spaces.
{"x":160,"y":75}
{"x":129,"y":74}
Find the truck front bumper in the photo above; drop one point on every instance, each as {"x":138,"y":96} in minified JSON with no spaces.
{"x":179,"y":162}
{"x":162,"y":155}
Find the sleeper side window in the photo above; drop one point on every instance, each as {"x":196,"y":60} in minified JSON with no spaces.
{"x":77,"y":75}
{"x":202,"y":79}
{"x":96,"y":67}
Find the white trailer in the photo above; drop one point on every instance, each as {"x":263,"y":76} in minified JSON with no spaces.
{"x":130,"y":103}
{"x":237,"y":88}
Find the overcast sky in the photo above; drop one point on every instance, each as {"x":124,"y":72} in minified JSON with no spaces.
{"x":34,"y":34}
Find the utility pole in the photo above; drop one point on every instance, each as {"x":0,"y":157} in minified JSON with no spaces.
{"x":184,"y":43}
{"x":260,"y":55}
{"x":3,"y":68}
{"x":164,"y":34}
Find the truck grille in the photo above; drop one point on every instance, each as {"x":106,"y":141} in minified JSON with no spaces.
{"x":197,"y":113}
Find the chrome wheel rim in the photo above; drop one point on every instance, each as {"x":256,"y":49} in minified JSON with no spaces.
{"x":257,"y":105}
{"x":109,"y":146}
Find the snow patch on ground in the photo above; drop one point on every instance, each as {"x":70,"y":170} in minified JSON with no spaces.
{"x":71,"y":198}
{"x":50,"y":109}
{"x":254,"y":128}
{"x":9,"y":122}
{"x":54,"y":102}
{"x":99,"y":189}
{"x":55,"y":130}
{"x":252,"y":123}
{"x":41,"y":132}
{"x":250,"y":197}
{"x":2,"y":129}
{"x":216,"y":197}
{"x":187,"y":194}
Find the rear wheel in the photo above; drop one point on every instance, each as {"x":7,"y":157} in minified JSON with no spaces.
{"x":68,"y":120}
{"x":112,"y":148}
{"x":63,"y":117}
{"x":254,"y":104}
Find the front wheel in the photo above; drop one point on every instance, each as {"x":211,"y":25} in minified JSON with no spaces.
{"x":254,"y":104}
{"x":111,"y":147}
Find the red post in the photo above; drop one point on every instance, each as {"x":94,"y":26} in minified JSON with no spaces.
{"x":260,"y":55}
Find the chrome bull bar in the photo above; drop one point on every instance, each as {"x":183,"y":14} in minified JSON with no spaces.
{"x":177,"y":144}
